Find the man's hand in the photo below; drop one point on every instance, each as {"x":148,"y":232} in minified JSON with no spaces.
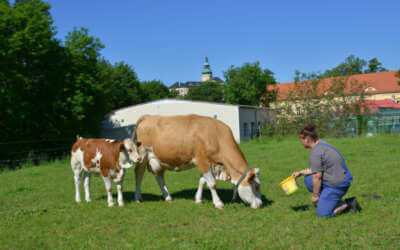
{"x":314,"y":199}
{"x":296,"y":174}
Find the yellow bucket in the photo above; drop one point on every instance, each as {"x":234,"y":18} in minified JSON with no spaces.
{"x":289,"y":185}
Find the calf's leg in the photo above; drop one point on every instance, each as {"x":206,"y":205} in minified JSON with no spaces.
{"x":77,"y":179}
{"x":107,"y":182}
{"x":86,"y":183}
{"x":120,"y":197}
{"x":76,"y":169}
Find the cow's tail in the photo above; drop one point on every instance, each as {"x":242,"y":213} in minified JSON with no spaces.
{"x":134,"y":137}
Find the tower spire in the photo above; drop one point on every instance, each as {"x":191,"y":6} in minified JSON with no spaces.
{"x":206,"y":74}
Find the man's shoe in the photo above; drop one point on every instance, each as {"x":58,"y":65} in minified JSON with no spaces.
{"x":353,"y":205}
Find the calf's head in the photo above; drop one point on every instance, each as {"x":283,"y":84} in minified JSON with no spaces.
{"x":131,"y":148}
{"x":249,"y":189}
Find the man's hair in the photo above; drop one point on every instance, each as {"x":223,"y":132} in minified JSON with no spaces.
{"x":309,"y":131}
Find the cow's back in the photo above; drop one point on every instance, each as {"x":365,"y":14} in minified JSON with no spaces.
{"x":176,"y":139}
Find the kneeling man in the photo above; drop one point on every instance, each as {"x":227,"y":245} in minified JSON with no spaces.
{"x":327,"y":177}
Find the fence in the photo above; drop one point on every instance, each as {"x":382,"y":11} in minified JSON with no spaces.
{"x":14,"y":154}
{"x":384,"y":123}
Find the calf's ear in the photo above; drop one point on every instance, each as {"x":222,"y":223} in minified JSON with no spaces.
{"x":121,"y":146}
{"x":138,"y":143}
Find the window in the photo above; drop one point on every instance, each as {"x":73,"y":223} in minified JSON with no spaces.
{"x":298,"y":111}
{"x":245,"y":129}
{"x":252,"y":129}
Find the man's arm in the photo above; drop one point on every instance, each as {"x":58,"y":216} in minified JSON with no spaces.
{"x":306,"y":171}
{"x":317,"y":180}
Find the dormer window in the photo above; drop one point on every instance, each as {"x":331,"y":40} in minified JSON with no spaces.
{"x":370,"y":89}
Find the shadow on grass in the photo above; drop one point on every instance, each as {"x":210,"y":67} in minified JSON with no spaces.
{"x":188,"y":194}
{"x":130,"y":197}
{"x":371,"y":196}
{"x":300,"y":208}
{"x":224,"y":194}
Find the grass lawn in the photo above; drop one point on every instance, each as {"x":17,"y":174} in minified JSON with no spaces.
{"x":37,"y":207}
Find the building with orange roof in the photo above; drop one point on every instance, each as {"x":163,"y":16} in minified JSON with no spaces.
{"x":376,"y":86}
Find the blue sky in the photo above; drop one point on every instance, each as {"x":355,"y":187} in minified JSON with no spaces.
{"x":168,"y":40}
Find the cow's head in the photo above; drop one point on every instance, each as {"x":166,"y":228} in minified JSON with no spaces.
{"x":249,"y":189}
{"x":131,"y":148}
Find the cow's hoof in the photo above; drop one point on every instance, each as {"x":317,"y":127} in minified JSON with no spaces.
{"x":199,"y":201}
{"x":168,"y":199}
{"x":138,"y":201}
{"x":88,"y":200}
{"x":78,"y":201}
{"x":121,"y":204}
{"x":110,"y":204}
{"x":220,"y":207}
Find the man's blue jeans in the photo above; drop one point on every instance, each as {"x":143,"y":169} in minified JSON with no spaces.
{"x":329,"y":197}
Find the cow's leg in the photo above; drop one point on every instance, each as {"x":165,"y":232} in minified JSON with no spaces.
{"x":107,"y":182}
{"x":120,"y":196}
{"x":212,"y":186}
{"x":199,"y":193}
{"x":77,"y":179}
{"x":86,"y":183}
{"x":77,"y":169}
{"x":160,"y":179}
{"x":139,"y":172}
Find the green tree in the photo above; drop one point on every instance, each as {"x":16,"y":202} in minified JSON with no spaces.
{"x":207,"y":91}
{"x":30,"y":63}
{"x":374,"y":66}
{"x":125,"y":85}
{"x":83,"y":102}
{"x":354,"y":65}
{"x":351,"y":66}
{"x":247,"y":85}
{"x":155,"y":90}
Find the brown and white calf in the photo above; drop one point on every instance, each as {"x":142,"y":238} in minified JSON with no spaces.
{"x":178,"y":143}
{"x":110,"y":158}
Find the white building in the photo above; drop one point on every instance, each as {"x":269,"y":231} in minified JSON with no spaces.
{"x":243,"y":120}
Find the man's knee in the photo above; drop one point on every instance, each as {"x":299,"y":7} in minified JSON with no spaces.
{"x":325,"y":213}
{"x":325,"y":209}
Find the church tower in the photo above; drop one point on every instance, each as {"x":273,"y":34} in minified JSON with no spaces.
{"x":206,"y":74}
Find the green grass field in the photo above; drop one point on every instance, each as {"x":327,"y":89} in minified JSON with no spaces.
{"x":37,"y":207}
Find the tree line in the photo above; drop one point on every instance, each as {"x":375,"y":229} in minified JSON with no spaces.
{"x":52,"y":88}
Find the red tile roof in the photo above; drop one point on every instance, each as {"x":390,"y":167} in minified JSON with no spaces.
{"x":376,"y":83}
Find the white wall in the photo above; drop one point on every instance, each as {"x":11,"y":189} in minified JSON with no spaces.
{"x":126,"y":117}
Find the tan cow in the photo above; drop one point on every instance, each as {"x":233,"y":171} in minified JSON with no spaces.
{"x":107,"y":157}
{"x":178,"y":143}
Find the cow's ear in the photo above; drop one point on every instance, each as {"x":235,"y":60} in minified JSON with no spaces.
{"x":138,"y":143}
{"x":251,"y":176}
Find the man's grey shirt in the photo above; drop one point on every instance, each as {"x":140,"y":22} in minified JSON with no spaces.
{"x":329,"y":162}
